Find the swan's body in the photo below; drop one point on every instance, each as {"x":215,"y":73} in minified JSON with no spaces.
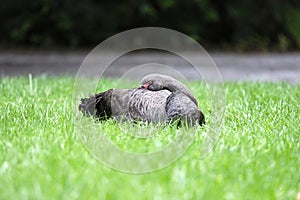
{"x":160,"y":99}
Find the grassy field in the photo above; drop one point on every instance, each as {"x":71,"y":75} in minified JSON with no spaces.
{"x":256,"y":157}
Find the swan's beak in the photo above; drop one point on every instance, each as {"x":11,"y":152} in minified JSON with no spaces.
{"x":145,"y":86}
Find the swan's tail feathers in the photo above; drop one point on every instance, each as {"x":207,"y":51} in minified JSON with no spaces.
{"x":97,"y":105}
{"x":88,"y":105}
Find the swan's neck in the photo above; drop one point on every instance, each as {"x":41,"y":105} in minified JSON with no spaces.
{"x":178,"y":87}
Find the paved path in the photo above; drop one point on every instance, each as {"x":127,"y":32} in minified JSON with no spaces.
{"x":233,"y":67}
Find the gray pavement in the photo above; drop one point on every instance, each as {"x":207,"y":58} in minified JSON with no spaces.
{"x":233,"y":67}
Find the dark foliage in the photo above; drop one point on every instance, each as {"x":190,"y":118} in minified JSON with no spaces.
{"x":243,"y":24}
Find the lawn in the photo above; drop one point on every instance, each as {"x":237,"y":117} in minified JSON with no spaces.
{"x":256,"y":157}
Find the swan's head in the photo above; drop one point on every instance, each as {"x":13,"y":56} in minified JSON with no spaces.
{"x":157,"y":82}
{"x":153,"y":85}
{"x":154,"y":82}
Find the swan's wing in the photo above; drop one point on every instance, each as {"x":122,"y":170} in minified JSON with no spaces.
{"x":148,"y":105}
{"x":120,"y":103}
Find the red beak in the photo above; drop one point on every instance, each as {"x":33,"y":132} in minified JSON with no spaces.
{"x":146,"y":85}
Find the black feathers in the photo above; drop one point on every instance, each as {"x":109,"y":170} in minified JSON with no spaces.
{"x":172,"y":101}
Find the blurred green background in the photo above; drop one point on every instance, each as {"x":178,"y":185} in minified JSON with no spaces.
{"x":245,"y":25}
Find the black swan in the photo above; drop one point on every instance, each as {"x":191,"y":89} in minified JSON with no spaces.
{"x":161,"y":98}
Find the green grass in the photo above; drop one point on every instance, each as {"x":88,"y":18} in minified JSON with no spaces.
{"x":42,"y":157}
